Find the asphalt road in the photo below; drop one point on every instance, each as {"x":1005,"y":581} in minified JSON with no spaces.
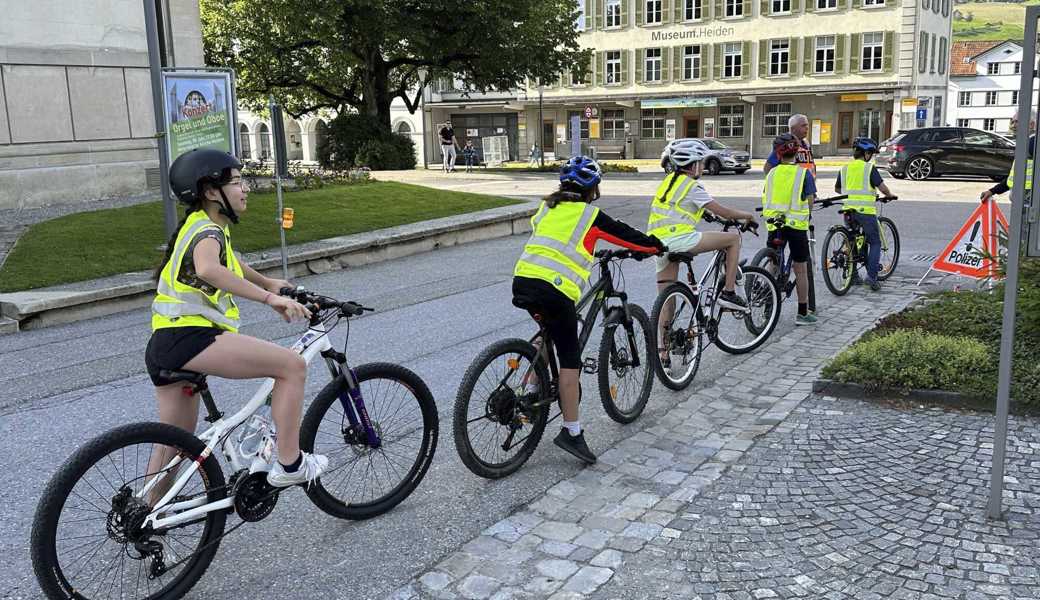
{"x":63,"y":385}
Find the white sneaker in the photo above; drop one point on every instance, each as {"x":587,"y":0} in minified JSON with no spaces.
{"x":311,"y":468}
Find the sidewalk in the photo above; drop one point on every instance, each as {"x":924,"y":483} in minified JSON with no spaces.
{"x":756,"y":489}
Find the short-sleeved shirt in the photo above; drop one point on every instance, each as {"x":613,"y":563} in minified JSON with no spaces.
{"x":809,"y":188}
{"x":447,"y":135}
{"x":804,"y":157}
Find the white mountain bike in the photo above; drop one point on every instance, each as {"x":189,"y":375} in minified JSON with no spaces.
{"x":107,"y":527}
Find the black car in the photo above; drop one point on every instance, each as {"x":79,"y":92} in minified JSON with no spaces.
{"x":931,"y":151}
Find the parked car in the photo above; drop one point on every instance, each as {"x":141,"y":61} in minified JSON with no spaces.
{"x":724,"y":158}
{"x":930,"y":151}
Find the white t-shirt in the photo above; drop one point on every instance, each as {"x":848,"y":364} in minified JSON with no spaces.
{"x":696,"y":199}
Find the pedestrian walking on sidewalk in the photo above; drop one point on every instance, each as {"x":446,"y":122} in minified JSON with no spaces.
{"x":448,"y":146}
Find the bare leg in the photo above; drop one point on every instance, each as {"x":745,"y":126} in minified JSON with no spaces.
{"x":569,"y":394}
{"x":801,"y":280}
{"x":665,"y":278}
{"x":174,"y":409}
{"x":730,"y":242}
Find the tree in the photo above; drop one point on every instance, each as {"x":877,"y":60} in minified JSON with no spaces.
{"x":362,"y":54}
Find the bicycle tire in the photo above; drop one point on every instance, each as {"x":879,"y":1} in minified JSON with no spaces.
{"x":464,"y":401}
{"x":892,"y":241}
{"x":608,"y":392}
{"x":694,"y":333}
{"x":43,"y":539}
{"x":838,"y":261}
{"x":350,"y":508}
{"x":760,"y":289}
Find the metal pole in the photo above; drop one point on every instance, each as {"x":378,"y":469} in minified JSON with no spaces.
{"x":276,"y":117}
{"x":541,"y":127}
{"x":1007,"y":334}
{"x":155,"y":69}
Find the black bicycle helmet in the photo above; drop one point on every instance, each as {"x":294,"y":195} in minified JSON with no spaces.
{"x":199,"y":166}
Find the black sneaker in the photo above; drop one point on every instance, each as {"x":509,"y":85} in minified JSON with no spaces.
{"x":732,"y":301}
{"x":575,"y":444}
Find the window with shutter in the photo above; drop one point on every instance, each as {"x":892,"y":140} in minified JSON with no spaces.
{"x":624,"y":67}
{"x":825,"y":5}
{"x":840,"y":53}
{"x":922,"y":53}
{"x":872,"y":51}
{"x":825,"y":59}
{"x":654,"y":11}
{"x":639,"y":13}
{"x":590,"y":14}
{"x":731,"y":120}
{"x":666,"y":11}
{"x":808,"y":56}
{"x":691,"y":67}
{"x":716,"y":57}
{"x":601,"y":14}
{"x":614,"y":68}
{"x":745,"y":61}
{"x":943,"y":59}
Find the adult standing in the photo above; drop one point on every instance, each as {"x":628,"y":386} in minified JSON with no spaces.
{"x":798,"y":125}
{"x":449,"y":146}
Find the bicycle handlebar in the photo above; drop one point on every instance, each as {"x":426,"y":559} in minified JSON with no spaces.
{"x":742,"y":226}
{"x":319,"y":302}
{"x":607,"y":254}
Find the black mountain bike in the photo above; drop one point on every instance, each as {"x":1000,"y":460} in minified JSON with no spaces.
{"x":685,"y":312}
{"x":845,"y":249}
{"x":775,"y":259}
{"x":505,"y":397}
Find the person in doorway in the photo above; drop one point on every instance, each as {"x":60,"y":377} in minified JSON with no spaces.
{"x":449,"y":145}
{"x":859,"y":181}
{"x":532,"y":159}
{"x":798,"y":126}
{"x":553,"y":272}
{"x":789,"y":191}
{"x":469,"y":153}
{"x":195,"y":319}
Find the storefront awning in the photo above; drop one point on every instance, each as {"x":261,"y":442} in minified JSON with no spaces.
{"x":679,"y":102}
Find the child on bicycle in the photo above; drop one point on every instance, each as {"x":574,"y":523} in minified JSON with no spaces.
{"x":789,"y":192}
{"x":553,"y":272}
{"x":859,"y":180}
{"x":195,"y":319}
{"x":675,"y":211}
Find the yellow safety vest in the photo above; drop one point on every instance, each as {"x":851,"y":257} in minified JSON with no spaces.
{"x":1029,"y":175}
{"x":177,"y":304}
{"x":556,"y":252}
{"x":855,"y":182}
{"x":668,"y":218}
{"x":783,"y":196}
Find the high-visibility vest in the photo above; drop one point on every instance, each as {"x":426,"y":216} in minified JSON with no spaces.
{"x":668,"y":218}
{"x":855,"y":183}
{"x":783,"y":196}
{"x":1029,"y":175}
{"x":556,"y":252}
{"x":177,"y":304}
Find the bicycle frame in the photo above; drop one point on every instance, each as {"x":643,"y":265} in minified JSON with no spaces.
{"x":313,"y":343}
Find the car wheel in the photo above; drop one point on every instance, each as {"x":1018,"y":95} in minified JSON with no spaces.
{"x":713,"y":167}
{"x":918,"y":168}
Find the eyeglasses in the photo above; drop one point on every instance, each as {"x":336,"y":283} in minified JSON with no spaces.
{"x":241,"y":183}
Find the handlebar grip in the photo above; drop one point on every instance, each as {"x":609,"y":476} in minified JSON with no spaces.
{"x":758,"y":209}
{"x":286,"y":291}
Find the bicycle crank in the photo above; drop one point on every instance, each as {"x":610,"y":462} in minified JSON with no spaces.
{"x":254,"y":497}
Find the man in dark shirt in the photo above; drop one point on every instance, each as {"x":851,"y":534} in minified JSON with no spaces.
{"x":449,"y":145}
{"x":799,"y":128}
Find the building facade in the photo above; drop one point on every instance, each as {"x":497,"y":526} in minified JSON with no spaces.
{"x":985,"y":79}
{"x":76,"y":116}
{"x":735,"y":70}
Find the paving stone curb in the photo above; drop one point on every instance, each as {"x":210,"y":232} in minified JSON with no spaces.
{"x":72,"y":302}
{"x":858,"y":391}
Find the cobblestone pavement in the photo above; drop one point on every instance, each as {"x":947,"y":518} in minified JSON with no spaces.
{"x":753,"y":488}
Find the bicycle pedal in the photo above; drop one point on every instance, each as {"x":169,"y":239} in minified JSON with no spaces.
{"x":590,"y":366}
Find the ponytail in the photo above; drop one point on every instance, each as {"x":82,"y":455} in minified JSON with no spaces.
{"x":196,"y":205}
{"x":570,"y":192}
{"x":671,"y":182}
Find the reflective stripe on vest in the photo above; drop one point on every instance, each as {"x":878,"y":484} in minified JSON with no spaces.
{"x":667,"y":216}
{"x":855,"y":183}
{"x":556,"y":252}
{"x":1029,"y":175}
{"x":783,"y":196}
{"x":175,"y":299}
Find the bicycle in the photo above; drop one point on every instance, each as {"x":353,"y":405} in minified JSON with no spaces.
{"x":506,"y":393}
{"x":154,"y":534}
{"x":845,"y":249}
{"x":779,"y":264}
{"x":686,"y":311}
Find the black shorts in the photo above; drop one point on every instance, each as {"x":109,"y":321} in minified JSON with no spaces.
{"x":173,"y":347}
{"x":796,"y":240}
{"x":558,"y":316}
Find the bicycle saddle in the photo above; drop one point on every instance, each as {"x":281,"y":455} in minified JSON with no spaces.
{"x":681,"y":256}
{"x":186,"y":376}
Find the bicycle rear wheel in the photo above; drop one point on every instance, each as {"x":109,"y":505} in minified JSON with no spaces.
{"x":88,"y":540}
{"x":838,"y":260}
{"x":741,"y":332}
{"x":677,"y":332}
{"x":363,"y":482}
{"x":889,"y":248}
{"x":495,"y":425}
{"x":624,"y":387}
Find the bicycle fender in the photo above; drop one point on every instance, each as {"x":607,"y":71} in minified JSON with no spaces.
{"x":615,"y":317}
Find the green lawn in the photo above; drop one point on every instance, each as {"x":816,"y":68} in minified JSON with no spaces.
{"x":107,"y":242}
{"x":991,"y":21}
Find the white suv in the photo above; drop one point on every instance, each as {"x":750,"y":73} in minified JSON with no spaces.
{"x":723,"y":158}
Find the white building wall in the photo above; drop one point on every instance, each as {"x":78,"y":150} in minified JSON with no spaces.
{"x":1004,"y":83}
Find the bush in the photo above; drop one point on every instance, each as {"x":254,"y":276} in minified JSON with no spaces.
{"x":913,"y":359}
{"x":347,"y":133}
{"x":395,"y":153}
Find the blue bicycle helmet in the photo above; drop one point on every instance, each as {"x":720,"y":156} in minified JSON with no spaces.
{"x":865,"y":144}
{"x":582,"y":171}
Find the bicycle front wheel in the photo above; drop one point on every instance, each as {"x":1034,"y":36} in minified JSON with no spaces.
{"x":889,"y":248}
{"x":88,"y":538}
{"x":738,"y":332}
{"x":838,"y":260}
{"x":365,"y":481}
{"x":626,"y":371}
{"x":678,"y":336}
{"x":501,"y":408}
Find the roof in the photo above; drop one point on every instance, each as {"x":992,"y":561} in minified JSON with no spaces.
{"x":963,"y":53}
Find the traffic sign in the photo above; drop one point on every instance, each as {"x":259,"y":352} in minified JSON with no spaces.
{"x":983,"y":234}
{"x":922,"y":113}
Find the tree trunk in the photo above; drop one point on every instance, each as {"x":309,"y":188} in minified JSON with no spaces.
{"x":377,"y":97}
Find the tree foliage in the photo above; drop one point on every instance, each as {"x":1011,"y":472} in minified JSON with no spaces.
{"x":362,"y":54}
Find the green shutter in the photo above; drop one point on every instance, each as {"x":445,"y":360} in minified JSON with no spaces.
{"x":666,"y":13}
{"x":677,"y":63}
{"x":856,"y":53}
{"x":590,"y":70}
{"x":679,"y":5}
{"x":601,"y":14}
{"x":792,"y":57}
{"x":590,"y":13}
{"x":845,"y":4}
{"x":601,"y":68}
{"x":796,"y":7}
{"x":763,"y":58}
{"x":810,"y":5}
{"x":745,"y":61}
{"x":624,"y":67}
{"x":625,"y":14}
{"x":764,"y":8}
{"x":747,"y":9}
{"x":888,"y":58}
{"x":639,"y":13}
{"x":716,"y":53}
{"x":640,"y":61}
{"x":720,"y":9}
{"x":808,"y":57}
{"x":839,"y":53}
{"x":666,"y":65}
{"x":707,"y":56}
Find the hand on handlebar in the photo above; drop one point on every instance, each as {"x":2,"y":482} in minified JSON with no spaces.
{"x":288,"y":308}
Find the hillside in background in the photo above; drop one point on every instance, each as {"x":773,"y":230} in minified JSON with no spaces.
{"x":989,"y":20}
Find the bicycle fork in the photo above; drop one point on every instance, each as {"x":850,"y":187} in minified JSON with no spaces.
{"x":361,"y":429}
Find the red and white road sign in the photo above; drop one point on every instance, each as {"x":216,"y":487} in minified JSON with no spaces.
{"x":983,"y":234}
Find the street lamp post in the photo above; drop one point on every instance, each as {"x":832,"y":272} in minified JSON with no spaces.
{"x":541,"y":127}
{"x":155,"y":69}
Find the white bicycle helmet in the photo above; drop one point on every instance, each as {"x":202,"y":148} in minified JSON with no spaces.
{"x":683,"y":153}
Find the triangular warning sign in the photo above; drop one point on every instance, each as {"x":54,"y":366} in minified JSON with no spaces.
{"x":977,"y":238}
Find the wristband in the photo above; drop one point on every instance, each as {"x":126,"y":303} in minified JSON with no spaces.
{"x":266,"y":297}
